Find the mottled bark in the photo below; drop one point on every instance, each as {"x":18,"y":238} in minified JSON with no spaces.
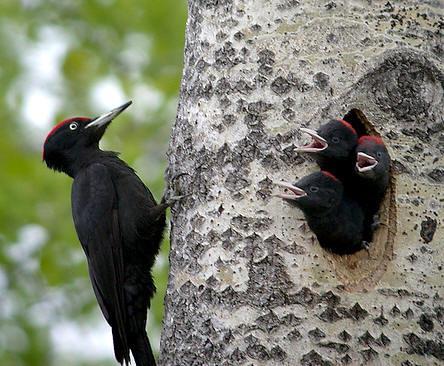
{"x":248,"y":282}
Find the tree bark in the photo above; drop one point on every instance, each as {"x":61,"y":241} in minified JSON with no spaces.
{"x":248,"y":283}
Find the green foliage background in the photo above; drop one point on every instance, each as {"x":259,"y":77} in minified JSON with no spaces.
{"x":139,"y":46}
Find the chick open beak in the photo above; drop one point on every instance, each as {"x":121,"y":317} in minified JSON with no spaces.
{"x":295,"y":194}
{"x":316,"y":144}
{"x":365,"y":162}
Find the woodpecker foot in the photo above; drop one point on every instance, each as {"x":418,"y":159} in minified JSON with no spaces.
{"x":376,"y":222}
{"x":175,"y":176}
{"x":366,"y":246}
{"x":173,"y":199}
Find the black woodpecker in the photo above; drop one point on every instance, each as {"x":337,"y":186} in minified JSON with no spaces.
{"x":119,"y":225}
{"x":333,"y":146}
{"x":335,"y":218}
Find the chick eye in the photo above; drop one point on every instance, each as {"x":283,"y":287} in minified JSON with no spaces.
{"x":335,"y":139}
{"x":314,"y":189}
{"x":73,"y":126}
{"x":379,"y":154}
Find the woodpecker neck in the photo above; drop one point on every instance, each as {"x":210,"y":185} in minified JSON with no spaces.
{"x":85,"y":158}
{"x":72,"y":162}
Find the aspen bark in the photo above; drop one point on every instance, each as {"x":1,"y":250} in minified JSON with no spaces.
{"x":249,"y":284}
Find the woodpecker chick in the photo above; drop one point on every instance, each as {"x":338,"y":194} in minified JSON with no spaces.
{"x":119,"y":225}
{"x":335,"y":218}
{"x":332,"y":146}
{"x":371,"y":179}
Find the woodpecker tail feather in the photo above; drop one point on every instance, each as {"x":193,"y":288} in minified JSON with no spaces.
{"x":120,"y":351}
{"x":141,"y":350}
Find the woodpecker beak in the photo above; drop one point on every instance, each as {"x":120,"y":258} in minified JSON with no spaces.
{"x":295,"y":194}
{"x":317,"y":143}
{"x":365,"y":162}
{"x":106,"y":118}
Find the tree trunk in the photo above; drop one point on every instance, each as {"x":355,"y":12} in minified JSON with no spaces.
{"x":249,"y":284}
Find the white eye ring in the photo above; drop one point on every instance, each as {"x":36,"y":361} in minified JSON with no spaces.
{"x":73,"y":126}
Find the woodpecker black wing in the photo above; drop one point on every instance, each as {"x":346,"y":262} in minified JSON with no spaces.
{"x":94,"y":207}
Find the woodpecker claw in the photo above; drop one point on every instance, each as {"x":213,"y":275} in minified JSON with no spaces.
{"x":376,"y":222}
{"x":178,"y":175}
{"x":366,"y":246}
{"x":170,"y":201}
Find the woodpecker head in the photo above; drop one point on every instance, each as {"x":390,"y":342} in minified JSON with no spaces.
{"x":372,"y":157}
{"x":75,"y":138}
{"x":315,"y":194}
{"x":335,"y":140}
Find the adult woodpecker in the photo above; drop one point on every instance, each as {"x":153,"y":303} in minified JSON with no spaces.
{"x":119,"y":225}
{"x":332,"y":146}
{"x":371,"y":179}
{"x":335,"y":218}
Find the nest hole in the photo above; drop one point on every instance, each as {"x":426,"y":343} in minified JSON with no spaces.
{"x":361,"y":270}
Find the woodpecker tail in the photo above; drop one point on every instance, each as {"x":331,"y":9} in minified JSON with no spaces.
{"x":141,"y":350}
{"x":121,"y":351}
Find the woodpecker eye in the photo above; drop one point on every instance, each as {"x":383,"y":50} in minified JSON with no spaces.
{"x":335,"y":139}
{"x":73,"y":126}
{"x":314,"y":189}
{"x":379,"y":154}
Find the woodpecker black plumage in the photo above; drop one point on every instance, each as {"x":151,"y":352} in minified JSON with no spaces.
{"x":333,"y":146}
{"x":335,"y":218}
{"x":119,"y":225}
{"x":371,"y":178}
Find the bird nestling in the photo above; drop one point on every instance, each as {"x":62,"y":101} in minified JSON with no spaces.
{"x":373,"y":160}
{"x":371,"y":178}
{"x":332,"y":146}
{"x":335,"y":218}
{"x":119,"y":225}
